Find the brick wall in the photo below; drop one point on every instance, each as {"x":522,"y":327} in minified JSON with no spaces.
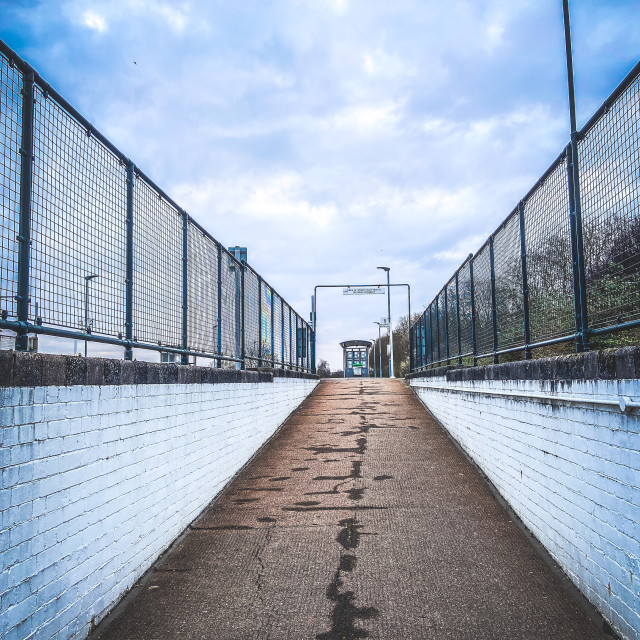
{"x":566,"y":462}
{"x":98,"y":479}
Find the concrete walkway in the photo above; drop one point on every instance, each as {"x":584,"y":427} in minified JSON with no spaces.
{"x":360,"y":519}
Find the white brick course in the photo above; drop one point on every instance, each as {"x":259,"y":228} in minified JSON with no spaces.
{"x":570,"y":470}
{"x":97,"y":481}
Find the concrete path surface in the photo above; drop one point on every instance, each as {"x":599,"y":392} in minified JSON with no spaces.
{"x":360,"y":519}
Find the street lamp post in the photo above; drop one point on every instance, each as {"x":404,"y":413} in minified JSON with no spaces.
{"x":87,"y":279}
{"x":380,"y":325}
{"x":387,"y":269}
{"x":374,"y":357}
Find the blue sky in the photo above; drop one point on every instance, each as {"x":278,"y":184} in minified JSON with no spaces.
{"x":333,"y":136}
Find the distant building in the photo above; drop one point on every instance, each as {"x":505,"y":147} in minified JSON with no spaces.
{"x":355,"y":358}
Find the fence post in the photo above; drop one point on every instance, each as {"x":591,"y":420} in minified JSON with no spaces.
{"x":525,"y":285}
{"x":282,"y":330}
{"x":411,"y":343}
{"x":577,"y":252}
{"x":431,"y":350}
{"x":128,"y":322}
{"x":575,"y":214}
{"x":273,"y":332}
{"x":184,"y":359}
{"x":290,"y":340}
{"x":243,"y":352}
{"x":219,"y":363}
{"x":24,"y":228}
{"x":458,"y":319}
{"x":446,"y":323}
{"x":423,"y":345}
{"x":474,"y":338}
{"x":259,"y":321}
{"x":494,"y":310}
{"x":438,"y":323}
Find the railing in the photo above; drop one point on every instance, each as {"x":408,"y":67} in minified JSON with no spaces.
{"x":92,"y":249}
{"x":564,"y":266}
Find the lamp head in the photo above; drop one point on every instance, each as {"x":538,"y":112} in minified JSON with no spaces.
{"x":91,"y":277}
{"x":384,"y":268}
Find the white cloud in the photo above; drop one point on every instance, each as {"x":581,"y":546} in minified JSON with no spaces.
{"x":379,"y":63}
{"x":278,"y":199}
{"x":339,"y":6}
{"x":366,"y":117}
{"x":94,"y":21}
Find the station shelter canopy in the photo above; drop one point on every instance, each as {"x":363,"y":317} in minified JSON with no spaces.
{"x":355,"y":358}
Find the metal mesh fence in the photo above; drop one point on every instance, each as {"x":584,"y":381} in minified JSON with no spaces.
{"x":286,"y":333}
{"x":202,"y":283}
{"x":464,"y":293}
{"x":10,"y":127}
{"x":277,"y":328}
{"x":581,"y":255}
{"x":452,"y":319}
{"x":104,"y":250}
{"x":508,"y":287}
{"x":251,"y":317}
{"x":78,"y":225}
{"x":231,"y":306}
{"x":549,"y":269}
{"x":482,"y":298}
{"x":609,"y":160}
{"x":157,"y":251}
{"x":265,"y":324}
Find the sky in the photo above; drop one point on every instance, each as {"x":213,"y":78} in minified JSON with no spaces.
{"x":331,"y":137}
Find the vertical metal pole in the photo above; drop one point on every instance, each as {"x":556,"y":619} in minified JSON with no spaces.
{"x":313,"y":331}
{"x":390,"y":325}
{"x":273,"y":333}
{"x":431,"y":350}
{"x":411,"y":345}
{"x":575,"y":214}
{"x":86,"y":311}
{"x":446,"y":324}
{"x":494,"y":310}
{"x":525,"y":285}
{"x":24,"y":228}
{"x":219,"y":363}
{"x":474,"y":339}
{"x":290,"y":340}
{"x":128,"y":323}
{"x":259,"y":321}
{"x":423,"y":339}
{"x":298,"y":348}
{"x":438,"y":327}
{"x":458,"y":319}
{"x":577,"y":256}
{"x":282,"y":330}
{"x":379,"y":351}
{"x":243,"y":353}
{"x":185,"y":292}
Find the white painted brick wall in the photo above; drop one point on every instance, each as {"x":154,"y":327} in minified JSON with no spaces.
{"x":571,"y":471}
{"x":97,"y":481}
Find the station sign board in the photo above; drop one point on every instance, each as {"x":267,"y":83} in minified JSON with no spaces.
{"x":362,"y":291}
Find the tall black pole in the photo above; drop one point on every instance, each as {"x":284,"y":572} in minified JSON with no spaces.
{"x":24,"y":232}
{"x":575,"y":214}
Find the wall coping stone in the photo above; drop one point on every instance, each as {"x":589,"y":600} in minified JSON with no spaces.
{"x":20,"y":369}
{"x":608,"y":364}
